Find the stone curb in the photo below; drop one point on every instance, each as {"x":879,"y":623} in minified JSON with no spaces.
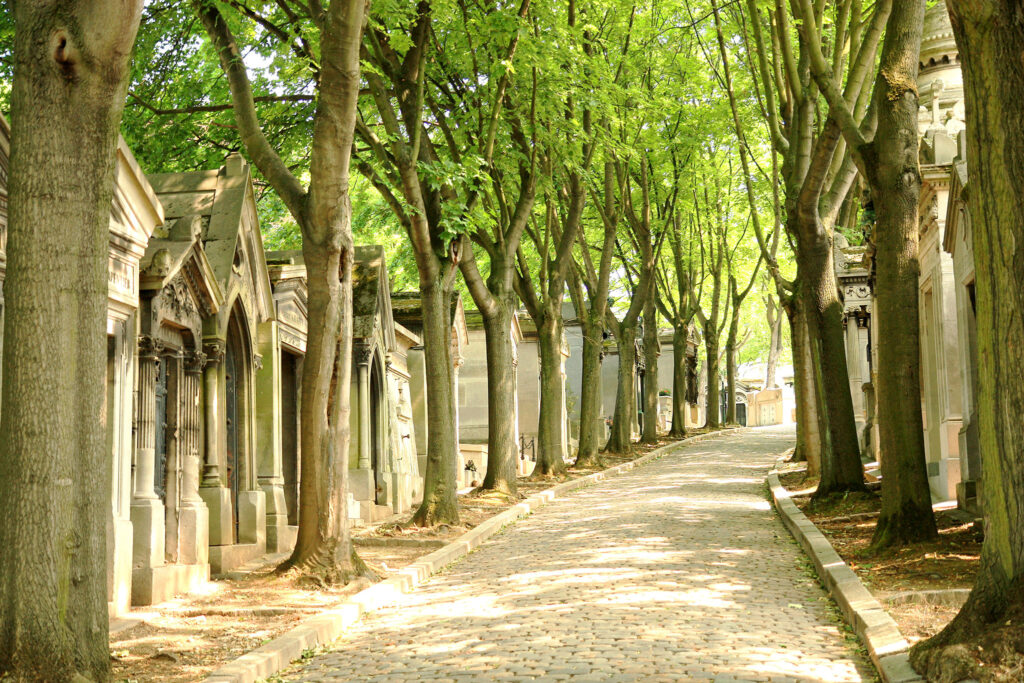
{"x":328,"y":626}
{"x":886,"y":645}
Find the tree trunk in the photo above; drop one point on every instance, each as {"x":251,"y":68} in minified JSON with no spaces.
{"x":651,"y":352}
{"x":502,"y":450}
{"x":774,"y":345}
{"x":680,"y":338}
{"x":893,"y":175}
{"x":439,"y":505}
{"x":551,"y":436}
{"x":808,"y":405}
{"x":591,"y":413}
{"x":841,"y":468}
{"x":988,"y":626}
{"x":323,"y":549}
{"x":70,"y":69}
{"x":730,"y":366}
{"x":713,"y":418}
{"x":621,"y":439}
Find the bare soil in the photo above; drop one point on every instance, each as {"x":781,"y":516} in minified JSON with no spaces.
{"x":951,"y":561}
{"x":187,"y":638}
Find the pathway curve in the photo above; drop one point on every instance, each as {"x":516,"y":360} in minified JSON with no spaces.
{"x":676,"y":571}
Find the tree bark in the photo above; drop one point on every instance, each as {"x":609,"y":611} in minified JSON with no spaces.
{"x":680,"y":339}
{"x":775,"y":344}
{"x":71,"y":64}
{"x":551,"y":436}
{"x":891,"y":164}
{"x":502,"y":449}
{"x":652,"y":350}
{"x":730,"y":365}
{"x":841,"y":468}
{"x":621,"y":439}
{"x":440,"y":505}
{"x":988,"y":624}
{"x":713,"y":417}
{"x":591,"y":417}
{"x":809,"y":445}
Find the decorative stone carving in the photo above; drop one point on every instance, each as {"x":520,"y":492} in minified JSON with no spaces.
{"x":160,"y":265}
{"x":214,"y":350}
{"x":362,"y":354}
{"x":179,"y":299}
{"x":195,"y":361}
{"x":150,"y":347}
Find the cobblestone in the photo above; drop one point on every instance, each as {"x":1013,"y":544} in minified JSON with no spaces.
{"x":676,"y":571}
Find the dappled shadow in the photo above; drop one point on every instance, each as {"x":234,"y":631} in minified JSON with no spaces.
{"x":678,"y":570}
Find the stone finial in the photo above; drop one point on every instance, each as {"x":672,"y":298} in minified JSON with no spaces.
{"x":234,"y":164}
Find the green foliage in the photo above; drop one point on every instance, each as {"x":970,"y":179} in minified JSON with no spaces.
{"x":637,"y":84}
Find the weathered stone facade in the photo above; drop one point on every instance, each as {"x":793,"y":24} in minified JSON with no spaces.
{"x":221,"y":205}
{"x":384,"y":475}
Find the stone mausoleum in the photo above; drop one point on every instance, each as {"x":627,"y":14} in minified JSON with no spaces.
{"x":206,"y":339}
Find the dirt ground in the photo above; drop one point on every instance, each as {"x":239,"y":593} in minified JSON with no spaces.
{"x":189,"y":637}
{"x":848,"y":521}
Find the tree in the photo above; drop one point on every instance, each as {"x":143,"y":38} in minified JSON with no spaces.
{"x":712,"y":320}
{"x":494,"y":295}
{"x":641,"y":233}
{"x":888,"y":161}
{"x":399,"y":152}
{"x":679,"y":309}
{"x":589,"y":287}
{"x":323,"y":212}
{"x":817,"y":173}
{"x":773,"y":311}
{"x":988,"y":625}
{"x":71,"y":65}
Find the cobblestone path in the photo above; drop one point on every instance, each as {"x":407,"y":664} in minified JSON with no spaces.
{"x":676,"y":571}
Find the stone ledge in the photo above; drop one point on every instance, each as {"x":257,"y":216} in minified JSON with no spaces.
{"x":328,"y":626}
{"x":877,"y":630}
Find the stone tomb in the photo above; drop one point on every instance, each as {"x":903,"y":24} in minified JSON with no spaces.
{"x":384,"y":476}
{"x":958,"y":242}
{"x":224,"y":202}
{"x":170,"y":521}
{"x":942,"y":120}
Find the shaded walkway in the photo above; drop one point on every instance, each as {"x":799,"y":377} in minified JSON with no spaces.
{"x":676,"y":571}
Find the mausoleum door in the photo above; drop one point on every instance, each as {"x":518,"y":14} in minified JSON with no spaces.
{"x":160,"y":449}
{"x":231,"y":414}
{"x":290,"y":434}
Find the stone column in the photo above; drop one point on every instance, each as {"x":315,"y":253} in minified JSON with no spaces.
{"x":269,"y":407}
{"x":362,"y":482}
{"x":212,"y":490}
{"x":364,"y":414}
{"x":147,"y":510}
{"x":214,"y":351}
{"x":191,"y":409}
{"x":194,"y":519}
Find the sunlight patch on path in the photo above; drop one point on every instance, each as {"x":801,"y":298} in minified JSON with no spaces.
{"x":676,"y":571}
